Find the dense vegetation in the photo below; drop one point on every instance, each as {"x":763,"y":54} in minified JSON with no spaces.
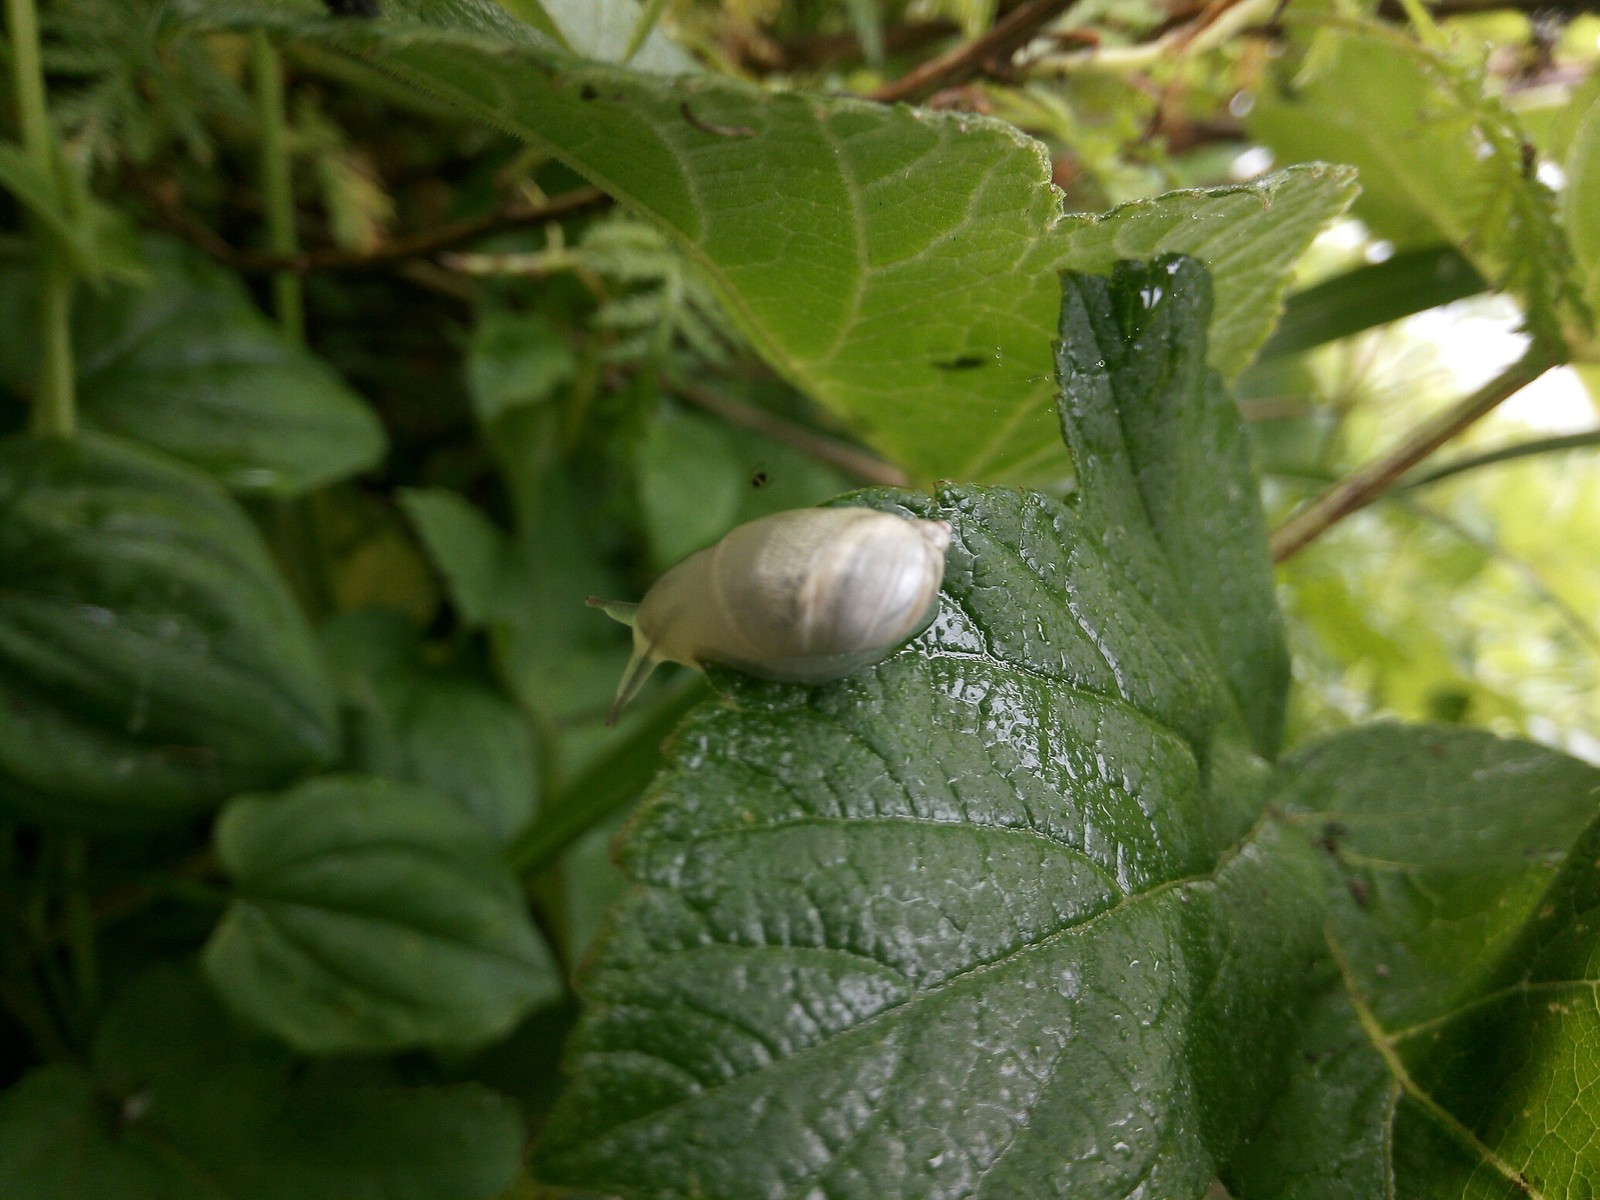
{"x":347,"y":349}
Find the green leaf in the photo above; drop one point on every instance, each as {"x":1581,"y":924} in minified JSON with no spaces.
{"x":445,"y":728}
{"x":465,"y":546}
{"x":1452,"y":1054}
{"x":186,"y":363}
{"x":178,"y":1103}
{"x":968,"y":922}
{"x":698,"y":478}
{"x":1410,"y":282}
{"x":1440,"y":157}
{"x":925,"y":245}
{"x":372,"y":915}
{"x":1580,"y":202}
{"x":1249,"y":237}
{"x":1160,"y":447}
{"x":152,"y":661}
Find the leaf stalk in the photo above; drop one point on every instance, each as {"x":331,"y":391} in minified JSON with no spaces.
{"x":1367,"y":483}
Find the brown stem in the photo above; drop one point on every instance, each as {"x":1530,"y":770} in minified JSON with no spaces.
{"x":1009,"y":34}
{"x":847,"y":458}
{"x":1367,"y":483}
{"x":428,"y":243}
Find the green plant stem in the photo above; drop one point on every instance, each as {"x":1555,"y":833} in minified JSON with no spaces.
{"x":267,"y":70}
{"x":32,"y":115}
{"x":55,"y":412}
{"x":598,"y":792}
{"x":55,"y":409}
{"x":1367,"y":483}
{"x":1589,"y":439}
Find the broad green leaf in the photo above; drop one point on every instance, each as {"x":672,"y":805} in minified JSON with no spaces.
{"x":1453,"y":1053}
{"x":372,"y":915}
{"x":896,"y":265}
{"x":442,"y":727}
{"x":152,"y":661}
{"x":178,"y":1103}
{"x":1580,"y":202}
{"x":1439,"y":157}
{"x":185,"y":362}
{"x":969,"y":922}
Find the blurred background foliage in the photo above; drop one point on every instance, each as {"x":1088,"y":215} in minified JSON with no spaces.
{"x":492,"y":392}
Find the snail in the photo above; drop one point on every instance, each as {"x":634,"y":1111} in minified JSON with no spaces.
{"x":805,"y":596}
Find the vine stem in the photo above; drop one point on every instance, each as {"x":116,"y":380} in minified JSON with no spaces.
{"x":56,"y":408}
{"x":267,"y":71}
{"x":1367,"y":483}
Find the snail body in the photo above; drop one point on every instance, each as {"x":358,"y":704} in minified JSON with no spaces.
{"x":805,"y":596}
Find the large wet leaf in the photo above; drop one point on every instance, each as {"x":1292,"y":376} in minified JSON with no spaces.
{"x":898,"y":265}
{"x":179,"y":1103}
{"x":152,"y":661}
{"x":964,"y":924}
{"x":1453,"y":1053}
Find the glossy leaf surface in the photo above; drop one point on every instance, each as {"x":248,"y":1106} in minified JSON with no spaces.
{"x":151,"y":659}
{"x":947,"y":927}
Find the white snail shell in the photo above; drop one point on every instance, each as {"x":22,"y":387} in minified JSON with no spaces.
{"x":808,"y":595}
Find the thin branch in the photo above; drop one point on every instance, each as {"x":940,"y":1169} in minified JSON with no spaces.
{"x":1587,"y":440}
{"x":1367,"y":483}
{"x":847,"y":458}
{"x":1009,"y":34}
{"x":430,"y":242}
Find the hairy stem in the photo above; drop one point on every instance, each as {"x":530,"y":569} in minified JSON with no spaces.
{"x":1367,"y":483}
{"x":279,"y":196}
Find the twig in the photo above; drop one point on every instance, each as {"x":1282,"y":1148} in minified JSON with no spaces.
{"x":1589,"y":439}
{"x":1009,"y":34}
{"x":1367,"y":483}
{"x":425,"y":244}
{"x":853,"y":462}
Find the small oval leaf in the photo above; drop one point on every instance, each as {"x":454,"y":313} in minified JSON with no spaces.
{"x":372,"y":915}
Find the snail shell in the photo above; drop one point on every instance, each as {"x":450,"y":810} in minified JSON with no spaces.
{"x":807,"y":596}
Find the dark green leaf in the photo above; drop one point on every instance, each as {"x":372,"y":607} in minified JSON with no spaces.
{"x":180,"y":1104}
{"x":967,"y":923}
{"x":152,"y":662}
{"x":1159,"y":447}
{"x":1452,"y":1054}
{"x":372,"y":915}
{"x":1366,"y":297}
{"x":445,"y":728}
{"x":185,"y":362}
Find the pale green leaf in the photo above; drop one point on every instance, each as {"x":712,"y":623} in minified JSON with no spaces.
{"x":897,"y":265}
